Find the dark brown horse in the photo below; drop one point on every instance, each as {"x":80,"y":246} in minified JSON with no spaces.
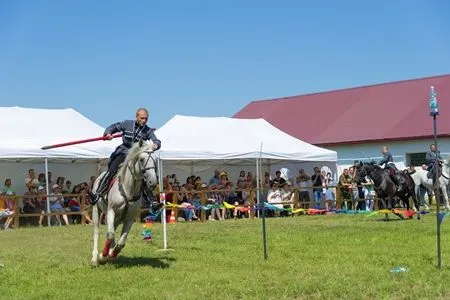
{"x":386,"y":188}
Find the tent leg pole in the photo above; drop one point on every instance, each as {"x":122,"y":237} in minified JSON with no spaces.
{"x":47,"y":188}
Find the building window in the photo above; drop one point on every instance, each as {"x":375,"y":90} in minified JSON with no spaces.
{"x":416,"y":159}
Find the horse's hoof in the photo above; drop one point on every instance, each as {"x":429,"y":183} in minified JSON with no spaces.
{"x":102,"y":259}
{"x":113,"y":258}
{"x":94,"y":263}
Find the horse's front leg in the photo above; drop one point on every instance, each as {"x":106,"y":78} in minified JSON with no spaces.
{"x":95,"y":220}
{"x":123,"y":237}
{"x":389,"y":202}
{"x":110,"y":216}
{"x":127,"y":224}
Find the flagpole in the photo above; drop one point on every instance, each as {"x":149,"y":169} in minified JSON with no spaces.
{"x":434,"y":112}
{"x":261,"y":203}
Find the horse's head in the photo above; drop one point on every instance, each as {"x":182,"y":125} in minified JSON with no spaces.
{"x":364,"y":169}
{"x":360,"y":170}
{"x":142,"y":162}
{"x":146,"y":163}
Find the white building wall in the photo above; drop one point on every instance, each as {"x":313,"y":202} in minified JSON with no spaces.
{"x":347,"y":154}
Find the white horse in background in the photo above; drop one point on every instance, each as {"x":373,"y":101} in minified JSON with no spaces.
{"x":420,"y":177}
{"x":121,"y":203}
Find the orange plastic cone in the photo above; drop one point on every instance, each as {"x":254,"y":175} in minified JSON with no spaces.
{"x":172,"y":218}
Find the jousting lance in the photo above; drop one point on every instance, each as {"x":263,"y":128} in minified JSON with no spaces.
{"x":102,"y":138}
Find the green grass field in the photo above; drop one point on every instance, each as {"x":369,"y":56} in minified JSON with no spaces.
{"x":310,"y":257}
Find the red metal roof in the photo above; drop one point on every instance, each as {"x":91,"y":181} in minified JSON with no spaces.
{"x":390,"y":111}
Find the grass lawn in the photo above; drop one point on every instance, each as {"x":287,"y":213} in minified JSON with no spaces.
{"x":310,"y":257}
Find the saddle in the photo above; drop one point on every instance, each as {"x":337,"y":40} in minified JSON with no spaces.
{"x":145,"y":191}
{"x":108,"y":184}
{"x":409,"y":171}
{"x":391,"y":171}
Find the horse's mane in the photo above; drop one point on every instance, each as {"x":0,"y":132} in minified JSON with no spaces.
{"x":377,"y":167}
{"x":134,"y":152}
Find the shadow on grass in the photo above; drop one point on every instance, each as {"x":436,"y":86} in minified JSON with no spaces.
{"x":154,"y":262}
{"x":390,"y":219}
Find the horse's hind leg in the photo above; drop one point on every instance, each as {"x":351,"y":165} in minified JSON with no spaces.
{"x":444,"y":194}
{"x":95,"y":220}
{"x":416,"y":204}
{"x":109,"y":235}
{"x":408,"y":206}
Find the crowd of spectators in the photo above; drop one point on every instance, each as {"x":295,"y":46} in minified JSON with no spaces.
{"x":277,"y":190}
{"x":63,"y":197}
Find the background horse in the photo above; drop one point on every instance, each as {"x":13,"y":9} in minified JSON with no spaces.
{"x":121,"y":203}
{"x":385,"y":187}
{"x":408,"y":192}
{"x":420,"y":178}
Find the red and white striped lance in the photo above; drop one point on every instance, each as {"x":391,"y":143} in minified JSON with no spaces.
{"x":102,"y":138}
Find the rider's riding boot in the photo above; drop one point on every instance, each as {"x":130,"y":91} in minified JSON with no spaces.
{"x":397,"y":182}
{"x":101,"y":187}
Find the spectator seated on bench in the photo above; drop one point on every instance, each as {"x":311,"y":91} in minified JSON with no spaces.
{"x":56,"y":200}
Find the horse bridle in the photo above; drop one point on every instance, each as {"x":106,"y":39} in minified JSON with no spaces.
{"x":144,"y":170}
{"x":155,"y":166}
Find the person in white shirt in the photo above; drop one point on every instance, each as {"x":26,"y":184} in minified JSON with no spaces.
{"x":274,"y":196}
{"x":287,"y":195}
{"x":56,"y":201}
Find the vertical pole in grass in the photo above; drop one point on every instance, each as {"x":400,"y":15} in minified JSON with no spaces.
{"x":261,"y":203}
{"x":162,"y":201}
{"x":434,"y":112}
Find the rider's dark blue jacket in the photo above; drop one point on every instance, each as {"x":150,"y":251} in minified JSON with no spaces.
{"x":387,"y":159}
{"x":432,"y":156}
{"x":131,"y":133}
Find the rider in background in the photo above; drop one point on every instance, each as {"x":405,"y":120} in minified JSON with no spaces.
{"x":432,"y":156}
{"x":388,"y":161}
{"x":133,"y":131}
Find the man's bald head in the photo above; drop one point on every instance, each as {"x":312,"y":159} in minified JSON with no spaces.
{"x":141,"y":116}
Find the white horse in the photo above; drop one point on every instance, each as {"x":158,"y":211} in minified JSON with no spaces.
{"x":121,"y":203}
{"x":420,"y":177}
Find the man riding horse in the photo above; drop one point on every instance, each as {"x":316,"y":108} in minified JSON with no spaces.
{"x":133,"y":131}
{"x":433,"y":155}
{"x":388,"y":161}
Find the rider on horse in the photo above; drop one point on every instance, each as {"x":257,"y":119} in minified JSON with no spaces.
{"x":433,"y":156}
{"x":388,"y":161}
{"x":133,"y":131}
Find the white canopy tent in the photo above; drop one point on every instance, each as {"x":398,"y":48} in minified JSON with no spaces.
{"x":198,"y":145}
{"x":26,"y":130}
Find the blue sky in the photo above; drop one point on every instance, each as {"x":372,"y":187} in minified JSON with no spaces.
{"x":209,"y":58}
